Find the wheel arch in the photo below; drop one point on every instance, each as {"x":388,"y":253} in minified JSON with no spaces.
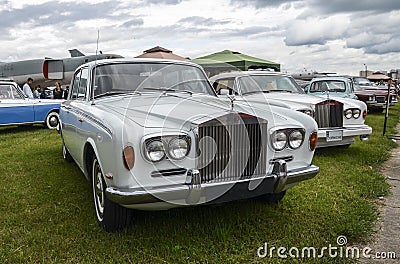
{"x":88,"y":151}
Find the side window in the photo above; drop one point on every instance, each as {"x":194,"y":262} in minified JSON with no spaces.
{"x":14,"y":93}
{"x":224,"y":84}
{"x":351,"y":87}
{"x":78,"y":90}
{"x":314,"y":87}
{"x":83,"y":84}
{"x":75,"y":86}
{"x":9,"y":92}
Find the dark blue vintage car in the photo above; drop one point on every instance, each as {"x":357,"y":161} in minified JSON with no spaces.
{"x":16,"y":109}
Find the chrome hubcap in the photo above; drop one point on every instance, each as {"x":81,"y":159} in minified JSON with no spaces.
{"x":98,"y":190}
{"x":53,"y":121}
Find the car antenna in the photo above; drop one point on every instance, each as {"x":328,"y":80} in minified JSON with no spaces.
{"x":95,"y":64}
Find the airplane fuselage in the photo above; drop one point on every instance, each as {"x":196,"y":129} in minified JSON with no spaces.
{"x":47,"y":71}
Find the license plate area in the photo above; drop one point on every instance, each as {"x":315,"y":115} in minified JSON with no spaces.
{"x":334,"y":135}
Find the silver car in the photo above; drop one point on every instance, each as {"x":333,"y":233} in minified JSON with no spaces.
{"x":152,"y":134}
{"x":339,"y":120}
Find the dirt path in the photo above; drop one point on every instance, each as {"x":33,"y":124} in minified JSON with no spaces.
{"x":387,"y":239}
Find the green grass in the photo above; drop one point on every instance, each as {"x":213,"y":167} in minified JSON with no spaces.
{"x":47,"y":216}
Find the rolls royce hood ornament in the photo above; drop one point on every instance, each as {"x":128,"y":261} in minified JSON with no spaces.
{"x":232,"y":98}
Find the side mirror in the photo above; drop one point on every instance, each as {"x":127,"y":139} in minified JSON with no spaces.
{"x":224,"y":91}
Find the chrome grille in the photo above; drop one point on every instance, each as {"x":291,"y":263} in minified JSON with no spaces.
{"x":329,"y":114}
{"x":232,"y":148}
{"x":381,"y":99}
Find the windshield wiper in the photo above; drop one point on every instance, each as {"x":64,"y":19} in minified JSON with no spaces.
{"x":286,"y":91}
{"x":251,"y":92}
{"x":167,"y":90}
{"x":117,"y":93}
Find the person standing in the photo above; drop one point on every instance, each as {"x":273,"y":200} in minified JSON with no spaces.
{"x":36,"y":92}
{"x":43,"y":94}
{"x":27,"y":88}
{"x":66,"y":91}
{"x":58,"y":92}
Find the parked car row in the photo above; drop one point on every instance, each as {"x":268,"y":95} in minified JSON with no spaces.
{"x":360,"y":88}
{"x":339,"y":119}
{"x":157,"y":134}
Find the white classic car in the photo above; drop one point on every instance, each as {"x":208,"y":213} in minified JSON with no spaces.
{"x":17,"y":109}
{"x":152,"y":134}
{"x":339,"y":119}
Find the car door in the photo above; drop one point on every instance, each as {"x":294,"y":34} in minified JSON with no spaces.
{"x":14,"y":107}
{"x":71,"y":114}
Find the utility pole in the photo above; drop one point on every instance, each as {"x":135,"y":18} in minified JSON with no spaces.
{"x":387,"y":106}
{"x":366,"y":71}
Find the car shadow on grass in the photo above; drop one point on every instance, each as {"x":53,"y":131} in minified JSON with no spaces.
{"x":20,"y":128}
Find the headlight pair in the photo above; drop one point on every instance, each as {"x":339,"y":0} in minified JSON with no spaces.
{"x":283,"y":138}
{"x":352,"y":113}
{"x":175,"y":147}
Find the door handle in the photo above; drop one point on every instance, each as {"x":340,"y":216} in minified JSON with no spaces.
{"x":80,"y":119}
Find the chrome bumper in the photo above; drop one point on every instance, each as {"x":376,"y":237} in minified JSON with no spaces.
{"x":194,"y":193}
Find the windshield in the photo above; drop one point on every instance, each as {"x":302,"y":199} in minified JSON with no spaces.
{"x":121,"y":78}
{"x":362,"y":81}
{"x":357,"y":87}
{"x":268,"y":83}
{"x":328,"y":85}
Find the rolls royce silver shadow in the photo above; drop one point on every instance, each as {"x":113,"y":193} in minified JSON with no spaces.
{"x":152,"y":135}
{"x":339,"y":120}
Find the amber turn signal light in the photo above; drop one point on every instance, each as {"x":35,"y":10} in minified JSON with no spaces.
{"x":313,"y":141}
{"x":129,"y":157}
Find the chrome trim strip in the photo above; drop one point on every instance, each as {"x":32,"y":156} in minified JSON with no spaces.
{"x":91,"y":118}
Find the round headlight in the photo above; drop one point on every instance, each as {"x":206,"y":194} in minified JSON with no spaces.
{"x":296,"y":139}
{"x":279,"y":140}
{"x":356,"y":113}
{"x":348,"y":113}
{"x":155,"y":150}
{"x":309,"y":112}
{"x":178,"y":148}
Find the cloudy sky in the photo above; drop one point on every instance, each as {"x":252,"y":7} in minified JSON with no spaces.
{"x":336,"y":35}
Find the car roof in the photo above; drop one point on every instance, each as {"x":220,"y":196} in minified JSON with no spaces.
{"x":8,"y":82}
{"x":234,"y":74}
{"x":137,"y":60}
{"x":330,"y":78}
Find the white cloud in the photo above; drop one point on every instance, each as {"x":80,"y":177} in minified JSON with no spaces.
{"x":312,"y":34}
{"x":316,"y":31}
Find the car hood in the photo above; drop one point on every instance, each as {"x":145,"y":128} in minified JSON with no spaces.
{"x":178,"y":111}
{"x":370,"y":91}
{"x":297,"y":101}
{"x":261,"y":100}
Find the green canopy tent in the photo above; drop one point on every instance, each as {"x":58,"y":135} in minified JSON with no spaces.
{"x":228,"y":60}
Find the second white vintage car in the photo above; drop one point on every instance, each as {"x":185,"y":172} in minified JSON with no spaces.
{"x":339,"y":120}
{"x":152,"y":134}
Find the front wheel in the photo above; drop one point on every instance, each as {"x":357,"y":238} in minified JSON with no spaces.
{"x":111,"y":216}
{"x":52,"y":120}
